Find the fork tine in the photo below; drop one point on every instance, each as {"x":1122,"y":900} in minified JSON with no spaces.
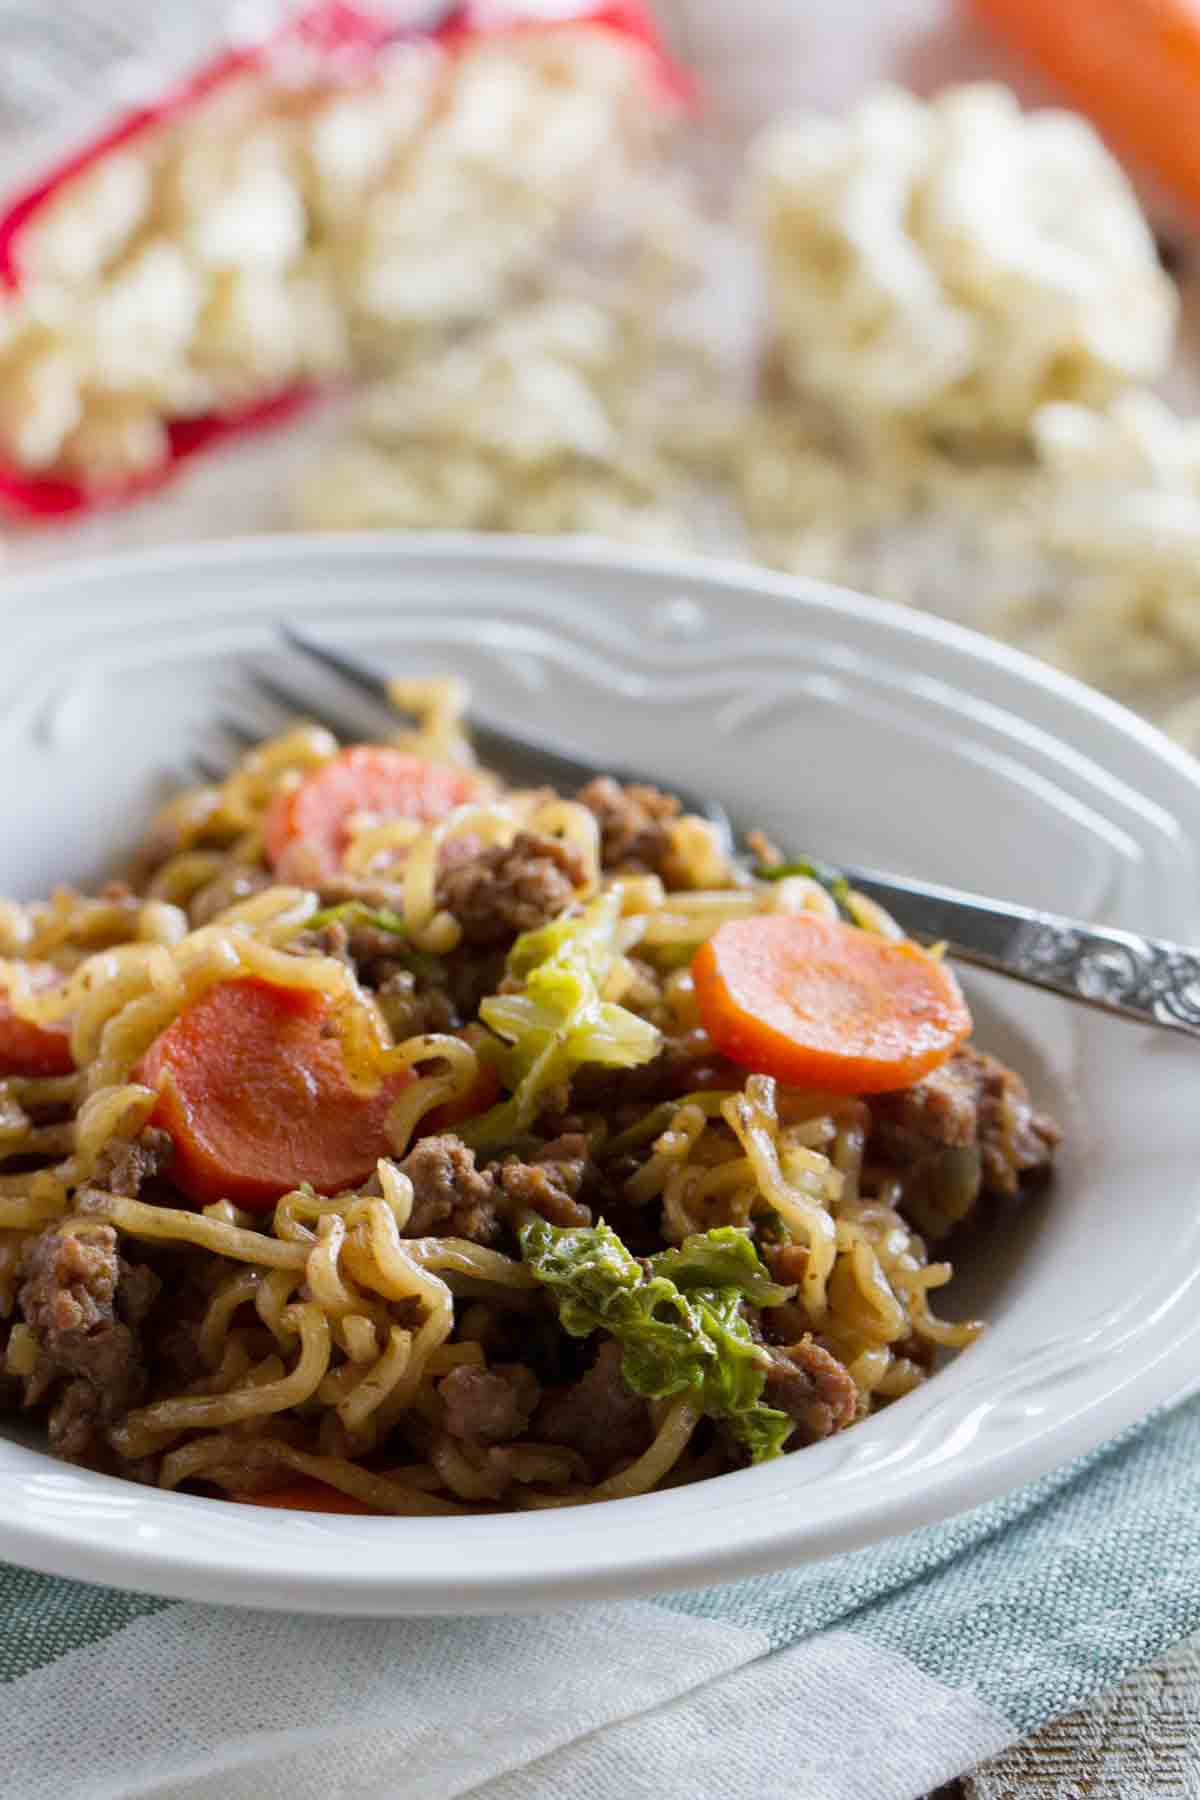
{"x":241,"y":734}
{"x":343,"y":722}
{"x":206,"y":769}
{"x":348,"y":667}
{"x":291,"y":699}
{"x":522,"y":756}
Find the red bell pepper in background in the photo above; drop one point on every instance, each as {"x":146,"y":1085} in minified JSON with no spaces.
{"x":347,"y":38}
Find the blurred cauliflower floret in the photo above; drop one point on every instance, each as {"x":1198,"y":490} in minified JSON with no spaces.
{"x":354,"y":137}
{"x":235,"y":204}
{"x":78,"y":234}
{"x":475,"y":198}
{"x":563,"y":417}
{"x":1121,"y":507}
{"x":137,"y":330}
{"x":965,"y":304}
{"x":1136,"y":442}
{"x":897,"y":517}
{"x":1125,"y":488}
{"x":294,"y":231}
{"x":40,"y":400}
{"x":116,"y":439}
{"x":1084,"y":548}
{"x":956,"y":264}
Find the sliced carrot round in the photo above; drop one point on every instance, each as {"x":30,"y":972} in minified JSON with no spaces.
{"x":370,"y":778}
{"x":306,"y":1496}
{"x":29,"y":1049}
{"x":253,"y":1091}
{"x":817,"y":1003}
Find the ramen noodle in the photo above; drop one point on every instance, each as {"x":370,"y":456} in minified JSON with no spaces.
{"x":377,"y":1140}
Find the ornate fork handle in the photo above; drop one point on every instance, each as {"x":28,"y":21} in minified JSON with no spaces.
{"x":1150,"y":980}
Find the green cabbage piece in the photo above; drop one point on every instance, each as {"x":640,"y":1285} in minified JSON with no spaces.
{"x":359,"y":913}
{"x":675,"y":1339}
{"x":722,"y":1258}
{"x":763,"y":1431}
{"x":558,"y":1019}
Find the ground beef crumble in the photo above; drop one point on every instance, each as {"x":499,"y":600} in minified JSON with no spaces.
{"x":813,"y":1388}
{"x":598,"y":1415}
{"x":1015,"y":1140}
{"x":84,"y":1305}
{"x":125,"y":1164}
{"x":551,"y":1183}
{"x":511,"y":888}
{"x":968,"y":1129}
{"x":489,"y":1406}
{"x":451,"y":1197}
{"x":635,"y":825}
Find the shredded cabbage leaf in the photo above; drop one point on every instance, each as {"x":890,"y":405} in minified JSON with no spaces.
{"x":682,"y":1335}
{"x":357,"y":912}
{"x":558,"y":1020}
{"x":722,"y":1258}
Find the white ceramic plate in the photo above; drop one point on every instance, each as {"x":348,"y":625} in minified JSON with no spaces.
{"x":844,"y":726}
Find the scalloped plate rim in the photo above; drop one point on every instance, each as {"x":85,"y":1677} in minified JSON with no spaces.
{"x":586,"y":552}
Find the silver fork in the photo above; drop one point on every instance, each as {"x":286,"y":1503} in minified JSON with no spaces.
{"x":1151,"y":981}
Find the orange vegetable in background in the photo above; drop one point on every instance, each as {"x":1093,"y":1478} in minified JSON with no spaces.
{"x":370,"y":778}
{"x":824,"y":1005}
{"x":28,"y":1049}
{"x":1132,"y":65}
{"x":253,"y":1091}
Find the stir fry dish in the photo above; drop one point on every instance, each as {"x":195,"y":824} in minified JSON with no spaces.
{"x":389,"y":1139}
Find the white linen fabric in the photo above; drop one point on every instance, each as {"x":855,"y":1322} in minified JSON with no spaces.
{"x":199,"y":1703}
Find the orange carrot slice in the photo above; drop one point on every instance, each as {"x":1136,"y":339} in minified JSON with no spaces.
{"x":29,"y":1049}
{"x":253,"y":1091}
{"x":369,"y":778}
{"x":1132,"y":65}
{"x":820,"y":1004}
{"x":307,"y":1496}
